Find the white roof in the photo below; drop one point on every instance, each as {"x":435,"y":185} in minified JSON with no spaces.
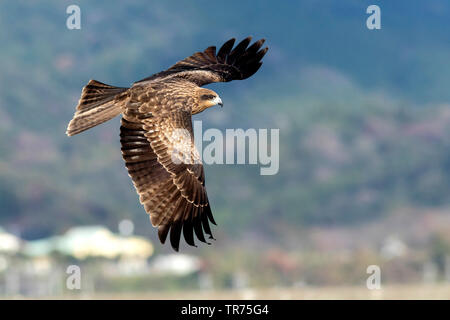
{"x":92,"y":241}
{"x":9,"y":243}
{"x":177,"y":264}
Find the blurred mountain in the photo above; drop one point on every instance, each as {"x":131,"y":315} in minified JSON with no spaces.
{"x":364,"y":115}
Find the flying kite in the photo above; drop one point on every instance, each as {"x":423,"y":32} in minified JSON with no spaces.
{"x":165,"y":167}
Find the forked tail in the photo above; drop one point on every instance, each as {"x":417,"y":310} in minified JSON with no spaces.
{"x":99,"y":102}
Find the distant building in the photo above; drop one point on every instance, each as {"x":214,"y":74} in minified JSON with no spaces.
{"x":91,"y":241}
{"x":393,"y":248}
{"x":9,"y":243}
{"x":175,"y":264}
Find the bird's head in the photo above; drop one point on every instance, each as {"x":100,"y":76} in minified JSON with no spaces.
{"x":207,"y":98}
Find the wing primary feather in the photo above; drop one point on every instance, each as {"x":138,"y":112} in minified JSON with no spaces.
{"x":260,"y":54}
{"x":188,"y":232}
{"x":205,"y":224}
{"x":207,"y":210}
{"x":163,"y":230}
{"x":238,"y":50}
{"x":255,"y":46}
{"x":211,"y":52}
{"x":175,"y":234}
{"x":197,"y":223}
{"x":225,"y":50}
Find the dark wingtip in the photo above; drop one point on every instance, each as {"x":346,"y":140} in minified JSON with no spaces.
{"x":162,"y":233}
{"x":175,"y":246}
{"x":229,"y":43}
{"x":208,"y":213}
{"x":211,"y":219}
{"x":175,"y":235}
{"x":255,"y":47}
{"x":239,"y":50}
{"x":225,"y":49}
{"x":198,"y":230}
{"x":188,"y":232}
{"x":245,"y":58}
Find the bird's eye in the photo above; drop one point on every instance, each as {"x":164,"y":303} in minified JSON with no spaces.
{"x":207,"y":97}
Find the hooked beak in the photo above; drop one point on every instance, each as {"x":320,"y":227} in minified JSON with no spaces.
{"x":218,"y":101}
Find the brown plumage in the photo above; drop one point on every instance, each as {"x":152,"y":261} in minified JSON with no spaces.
{"x":162,"y":162}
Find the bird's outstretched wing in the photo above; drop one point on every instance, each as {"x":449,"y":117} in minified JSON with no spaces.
{"x":166,"y":170}
{"x":226,"y":65}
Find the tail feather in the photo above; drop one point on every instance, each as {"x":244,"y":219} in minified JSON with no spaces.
{"x":99,"y":102}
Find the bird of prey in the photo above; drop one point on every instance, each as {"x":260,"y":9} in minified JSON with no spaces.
{"x":172,"y":191}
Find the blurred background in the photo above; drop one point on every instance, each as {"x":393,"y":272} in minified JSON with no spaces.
{"x":364,"y":119}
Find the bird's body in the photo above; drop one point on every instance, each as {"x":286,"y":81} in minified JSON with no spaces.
{"x":165,"y":166}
